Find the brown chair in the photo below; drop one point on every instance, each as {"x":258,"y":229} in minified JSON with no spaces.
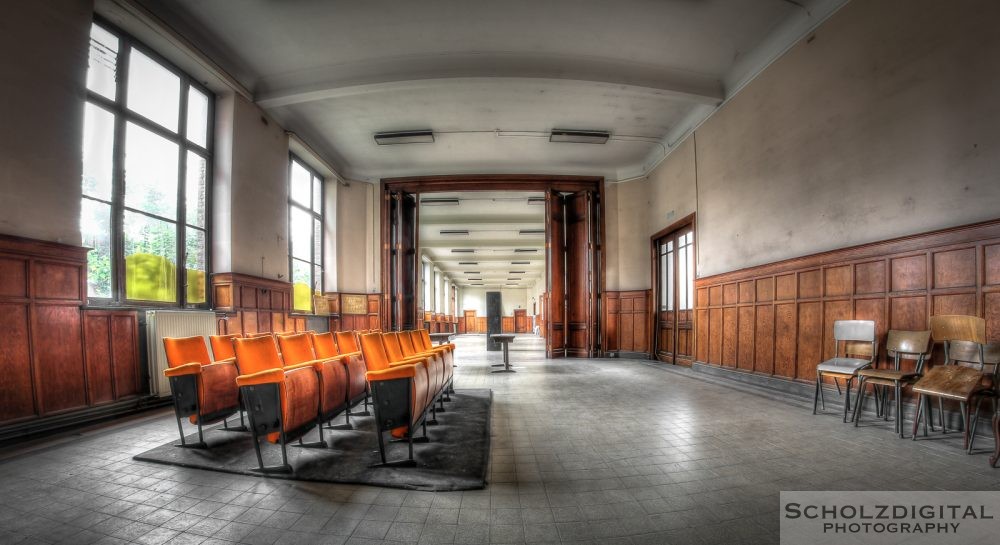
{"x":282,"y":402}
{"x":900,"y":345}
{"x":968,"y":375}
{"x":204,"y":391}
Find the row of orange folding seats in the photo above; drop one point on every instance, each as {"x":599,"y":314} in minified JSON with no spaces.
{"x":408,"y":378}
{"x":283,"y":401}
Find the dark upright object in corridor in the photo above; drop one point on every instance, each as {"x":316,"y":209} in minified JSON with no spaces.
{"x":494,"y":310}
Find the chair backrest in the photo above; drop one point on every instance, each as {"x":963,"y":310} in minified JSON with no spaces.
{"x":417,"y":341}
{"x":184,"y":350}
{"x":296,"y":348}
{"x":857,"y":336}
{"x":406,"y":343}
{"x":222,"y":346}
{"x":957,"y":327}
{"x":427,"y":337}
{"x":374,"y":351}
{"x":392,"y":346}
{"x":347,"y":342}
{"x":908,"y":345}
{"x":324,"y":345}
{"x":256,"y":354}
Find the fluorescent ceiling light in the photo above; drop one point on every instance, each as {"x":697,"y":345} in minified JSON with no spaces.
{"x":468,"y":263}
{"x":518,"y":272}
{"x":579,"y":136}
{"x":531,"y":232}
{"x":439,"y":201}
{"x":520,"y":263}
{"x":475,"y":284}
{"x":421,"y":136}
{"x":454,"y":231}
{"x":463,"y":251}
{"x":525,"y":250}
{"x":473,"y":278}
{"x":472,"y":272}
{"x":515,"y":279}
{"x":536,"y":200}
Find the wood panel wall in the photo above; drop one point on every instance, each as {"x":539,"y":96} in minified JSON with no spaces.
{"x":56,"y":358}
{"x":626,"y":322}
{"x":777,"y":319}
{"x":351,"y":320}
{"x":251,"y":304}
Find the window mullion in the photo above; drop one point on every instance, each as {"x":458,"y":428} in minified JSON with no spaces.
{"x":118,"y":175}
{"x":181,"y":206}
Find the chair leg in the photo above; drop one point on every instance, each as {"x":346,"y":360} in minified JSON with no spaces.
{"x":847,"y":396}
{"x":858,"y":403}
{"x":962,"y":406}
{"x":837,"y":382}
{"x":180,"y":429}
{"x":819,"y":387}
{"x":916,"y":417}
{"x":944,"y":428}
{"x":898,"y":395}
{"x":972,"y":430}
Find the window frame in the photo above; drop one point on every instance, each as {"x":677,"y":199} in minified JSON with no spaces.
{"x":321,"y":216}
{"x":118,"y":107}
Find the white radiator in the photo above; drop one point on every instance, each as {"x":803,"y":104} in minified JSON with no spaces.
{"x":171,"y":323}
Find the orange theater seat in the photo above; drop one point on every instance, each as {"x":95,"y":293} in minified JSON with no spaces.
{"x":203,"y":391}
{"x":411,"y":349}
{"x":354,"y":362}
{"x":282,"y":402}
{"x":400,"y":394}
{"x":435,"y":368}
{"x":222,"y":346}
{"x":296,"y":349}
{"x":417,"y":339}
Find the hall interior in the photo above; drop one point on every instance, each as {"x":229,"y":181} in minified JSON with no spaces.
{"x":690,"y":210}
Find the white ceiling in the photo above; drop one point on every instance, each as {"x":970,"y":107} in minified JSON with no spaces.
{"x":491,"y":78}
{"x":494,"y":221}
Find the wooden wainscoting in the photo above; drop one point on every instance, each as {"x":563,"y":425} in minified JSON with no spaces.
{"x":57,"y":359}
{"x":777,"y":319}
{"x":252,"y":304}
{"x":626,"y":323}
{"x":358,"y":311}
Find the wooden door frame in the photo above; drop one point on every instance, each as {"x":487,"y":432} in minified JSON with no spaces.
{"x":654,"y":303}
{"x":493,"y":182}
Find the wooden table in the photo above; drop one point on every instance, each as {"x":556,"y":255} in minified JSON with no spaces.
{"x":440,"y":338}
{"x":505,"y":339}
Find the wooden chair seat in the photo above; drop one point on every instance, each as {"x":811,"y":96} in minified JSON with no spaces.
{"x":953,"y":382}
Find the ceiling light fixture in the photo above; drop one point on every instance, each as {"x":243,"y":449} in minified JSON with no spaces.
{"x":389,"y":138}
{"x":463,"y":251}
{"x":531,"y":232}
{"x":468,"y":263}
{"x":517,"y":272}
{"x":439,"y":201}
{"x":520,"y":263}
{"x":471,"y":272}
{"x":525,"y":250}
{"x":579,"y":136}
{"x":454,"y":231}
{"x":536,"y":200}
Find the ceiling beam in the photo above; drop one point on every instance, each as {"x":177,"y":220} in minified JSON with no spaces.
{"x":379,"y":75}
{"x":486,"y":245}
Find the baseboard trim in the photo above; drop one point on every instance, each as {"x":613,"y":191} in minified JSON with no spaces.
{"x":47,"y":425}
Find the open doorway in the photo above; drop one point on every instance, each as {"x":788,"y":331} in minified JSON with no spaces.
{"x":673,"y":293}
{"x":536,"y":237}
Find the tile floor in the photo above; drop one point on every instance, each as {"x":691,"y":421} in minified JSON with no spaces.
{"x":584,"y":451}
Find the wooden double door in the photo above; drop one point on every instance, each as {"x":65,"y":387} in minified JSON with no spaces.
{"x":573,"y":266}
{"x":673,"y":278}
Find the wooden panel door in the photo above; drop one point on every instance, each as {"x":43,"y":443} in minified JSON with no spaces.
{"x":402,"y":259}
{"x":572,"y":273}
{"x":674,"y":279}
